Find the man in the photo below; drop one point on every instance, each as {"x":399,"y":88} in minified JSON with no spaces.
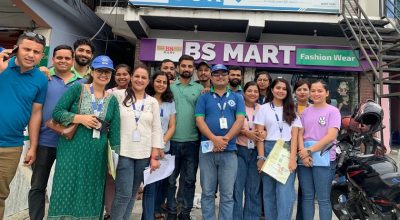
{"x":219,"y":117}
{"x":184,"y":143}
{"x":168,"y":67}
{"x":204,"y":74}
{"x":235,"y":79}
{"x":22,"y":93}
{"x":84,"y":50}
{"x":62,"y":79}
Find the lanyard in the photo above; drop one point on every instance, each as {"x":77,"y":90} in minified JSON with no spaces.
{"x":223,"y":106}
{"x":250,"y":124}
{"x":280,"y":124}
{"x":161,"y":112}
{"x":96,"y":106}
{"x":137,"y":112}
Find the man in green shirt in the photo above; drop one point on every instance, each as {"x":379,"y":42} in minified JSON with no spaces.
{"x":84,"y":50}
{"x":185,"y":142}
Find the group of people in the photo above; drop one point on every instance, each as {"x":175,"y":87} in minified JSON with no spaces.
{"x":213,"y":123}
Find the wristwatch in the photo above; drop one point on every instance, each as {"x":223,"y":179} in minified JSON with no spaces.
{"x":309,"y":152}
{"x":261,"y":158}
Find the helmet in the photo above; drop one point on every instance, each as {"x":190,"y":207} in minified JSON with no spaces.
{"x":370,"y":114}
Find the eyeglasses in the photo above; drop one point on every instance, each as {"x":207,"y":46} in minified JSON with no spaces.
{"x":35,"y":35}
{"x":106,"y":72}
{"x":218,"y":74}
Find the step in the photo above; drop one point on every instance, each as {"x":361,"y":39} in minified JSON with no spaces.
{"x":391,"y":95}
{"x":388,"y":82}
{"x":384,"y":46}
{"x":380,"y":30}
{"x":386,"y":57}
{"x":385,"y":38}
{"x":375,"y":23}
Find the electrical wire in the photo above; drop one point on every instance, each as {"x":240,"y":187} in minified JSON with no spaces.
{"x":105,"y":21}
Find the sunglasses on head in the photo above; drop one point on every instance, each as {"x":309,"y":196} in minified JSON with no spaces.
{"x":35,"y":35}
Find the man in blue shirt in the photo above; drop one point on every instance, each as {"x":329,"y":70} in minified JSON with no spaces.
{"x":22,"y":94}
{"x":63,"y":77}
{"x":219,"y":117}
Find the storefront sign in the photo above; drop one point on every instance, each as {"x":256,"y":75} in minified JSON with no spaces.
{"x":320,"y":6}
{"x":326,"y":57}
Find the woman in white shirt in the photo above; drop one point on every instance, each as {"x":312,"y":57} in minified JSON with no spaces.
{"x":279,"y":118}
{"x":155,"y":193}
{"x":140,"y":141}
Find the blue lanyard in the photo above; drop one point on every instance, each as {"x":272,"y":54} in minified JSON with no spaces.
{"x":280,"y":125}
{"x":137,"y":116}
{"x":161,"y":112}
{"x":96,"y":106}
{"x":223,"y":106}
{"x":252,"y":118}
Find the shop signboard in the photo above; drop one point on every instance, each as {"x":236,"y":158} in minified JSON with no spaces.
{"x":319,"y":6}
{"x":340,"y":58}
{"x":326,"y":57}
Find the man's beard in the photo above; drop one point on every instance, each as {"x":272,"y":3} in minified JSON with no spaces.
{"x":82,"y":62}
{"x":186,"y":75}
{"x":235,"y":82}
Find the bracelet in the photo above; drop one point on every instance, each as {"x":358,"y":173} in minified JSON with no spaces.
{"x":261,"y":158}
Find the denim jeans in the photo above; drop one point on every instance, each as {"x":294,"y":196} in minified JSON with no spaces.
{"x":278,"y":198}
{"x":149,"y":200}
{"x":248,"y":180}
{"x":316,"y":181}
{"x":186,"y":162}
{"x":45,"y":157}
{"x":127,"y":183}
{"x":218,"y":168}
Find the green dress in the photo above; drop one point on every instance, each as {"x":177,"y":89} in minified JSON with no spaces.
{"x":80,"y":172}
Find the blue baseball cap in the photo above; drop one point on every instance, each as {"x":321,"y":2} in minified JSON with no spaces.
{"x":218,"y":67}
{"x":102,"y":62}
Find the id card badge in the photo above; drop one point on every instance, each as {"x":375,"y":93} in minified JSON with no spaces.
{"x":250,"y":144}
{"x":96,"y":134}
{"x":206,"y":146}
{"x":136,"y":136}
{"x":223,"y":123}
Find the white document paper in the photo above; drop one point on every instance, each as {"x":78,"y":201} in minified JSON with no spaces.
{"x":167,"y":166}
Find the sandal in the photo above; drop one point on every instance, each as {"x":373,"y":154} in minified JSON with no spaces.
{"x":159,"y":216}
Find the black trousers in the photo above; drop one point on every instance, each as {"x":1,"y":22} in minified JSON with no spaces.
{"x":45,"y":157}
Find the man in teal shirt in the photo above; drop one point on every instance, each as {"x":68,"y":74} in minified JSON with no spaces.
{"x":22,"y":94}
{"x":185,"y":142}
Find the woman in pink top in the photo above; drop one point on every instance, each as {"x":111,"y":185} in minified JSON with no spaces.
{"x":321,"y":123}
{"x":248,"y":178}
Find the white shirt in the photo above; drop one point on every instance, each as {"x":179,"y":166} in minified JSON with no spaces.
{"x":148,"y":125}
{"x":266,"y":117}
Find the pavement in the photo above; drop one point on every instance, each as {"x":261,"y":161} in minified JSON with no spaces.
{"x":196,"y":211}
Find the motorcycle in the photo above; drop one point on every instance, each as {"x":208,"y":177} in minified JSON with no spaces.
{"x":367,"y":184}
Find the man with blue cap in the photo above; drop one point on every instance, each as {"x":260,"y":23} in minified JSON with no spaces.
{"x":219,"y":117}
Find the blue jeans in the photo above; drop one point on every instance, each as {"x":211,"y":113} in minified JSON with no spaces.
{"x":186,"y":163}
{"x":248,"y":180}
{"x":149,"y":199}
{"x":127,"y":183}
{"x":218,"y":168}
{"x":317,"y":181}
{"x":278,"y":198}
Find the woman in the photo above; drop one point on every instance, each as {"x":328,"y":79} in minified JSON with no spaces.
{"x":263,"y":80}
{"x":281,"y":122}
{"x":248,"y":178}
{"x":140,"y":141}
{"x":302,"y":94}
{"x":80,"y":172}
{"x":321,"y":123}
{"x":155,"y":193}
{"x":122,"y":78}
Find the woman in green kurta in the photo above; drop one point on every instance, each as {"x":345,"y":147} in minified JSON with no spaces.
{"x":79,"y":178}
